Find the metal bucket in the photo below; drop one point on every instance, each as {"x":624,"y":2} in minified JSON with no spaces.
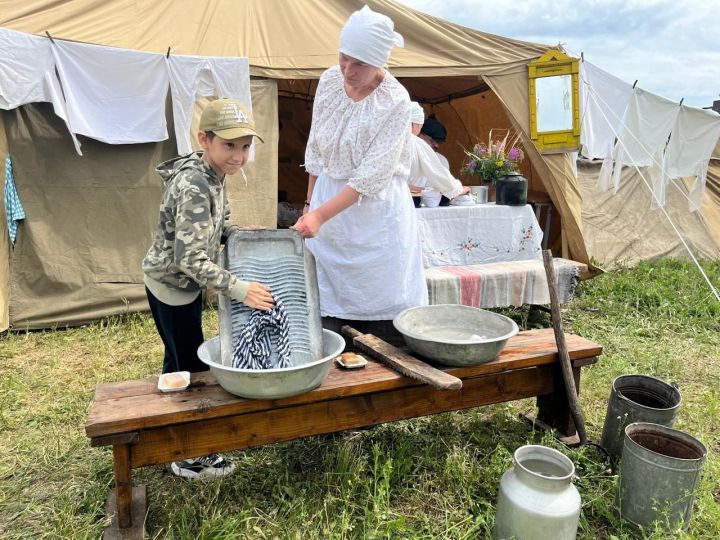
{"x":637,"y":398}
{"x":659,"y":474}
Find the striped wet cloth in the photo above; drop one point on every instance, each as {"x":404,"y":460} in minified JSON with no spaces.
{"x":253,"y":346}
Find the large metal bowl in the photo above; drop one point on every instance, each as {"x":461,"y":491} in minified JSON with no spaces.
{"x":455,"y":335}
{"x":272,"y":383}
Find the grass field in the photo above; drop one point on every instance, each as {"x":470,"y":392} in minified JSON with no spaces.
{"x":435,"y":477}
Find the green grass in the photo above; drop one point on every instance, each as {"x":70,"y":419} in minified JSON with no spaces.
{"x":430,"y":478}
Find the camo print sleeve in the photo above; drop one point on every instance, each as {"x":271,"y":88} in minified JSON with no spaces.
{"x":196,"y":238}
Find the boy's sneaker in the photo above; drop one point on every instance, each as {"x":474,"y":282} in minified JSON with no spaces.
{"x":203,"y":467}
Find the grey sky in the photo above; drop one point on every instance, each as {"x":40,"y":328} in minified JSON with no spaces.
{"x":672,"y":48}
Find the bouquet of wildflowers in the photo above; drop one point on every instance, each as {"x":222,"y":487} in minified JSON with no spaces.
{"x":497,"y":158}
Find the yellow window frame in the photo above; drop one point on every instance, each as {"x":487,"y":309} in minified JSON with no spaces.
{"x":551,"y":64}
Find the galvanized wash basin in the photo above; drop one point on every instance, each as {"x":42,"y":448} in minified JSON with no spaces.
{"x":272,"y":383}
{"x":455,"y":335}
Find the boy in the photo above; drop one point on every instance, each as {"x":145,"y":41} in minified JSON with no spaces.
{"x":194,"y":214}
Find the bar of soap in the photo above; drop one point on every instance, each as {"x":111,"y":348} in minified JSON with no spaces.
{"x":351,"y":359}
{"x":174,"y":380}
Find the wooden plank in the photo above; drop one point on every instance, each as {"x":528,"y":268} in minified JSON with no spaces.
{"x":401,"y":361}
{"x":120,"y":438}
{"x":170,"y":443}
{"x":139,"y":510}
{"x":206,"y":399}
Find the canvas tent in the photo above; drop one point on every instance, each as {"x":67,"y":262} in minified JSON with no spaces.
{"x":622,"y":229}
{"x":90,"y":218}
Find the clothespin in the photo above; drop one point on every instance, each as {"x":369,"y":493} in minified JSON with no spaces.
{"x":48,"y":35}
{"x":681,"y":101}
{"x":168,"y":53}
{"x":635,"y":83}
{"x":582,"y":56}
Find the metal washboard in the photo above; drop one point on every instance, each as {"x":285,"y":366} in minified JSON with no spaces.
{"x":280,"y":260}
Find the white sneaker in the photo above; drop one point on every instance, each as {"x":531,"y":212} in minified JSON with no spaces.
{"x":203,"y":467}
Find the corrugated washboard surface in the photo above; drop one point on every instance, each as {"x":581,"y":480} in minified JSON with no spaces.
{"x":279,"y":259}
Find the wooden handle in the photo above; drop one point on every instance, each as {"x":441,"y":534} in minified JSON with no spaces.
{"x":400,"y":361}
{"x":570,"y":390}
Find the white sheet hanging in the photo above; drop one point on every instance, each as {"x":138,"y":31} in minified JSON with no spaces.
{"x":692,"y":142}
{"x":604,"y":99}
{"x":27,"y":74}
{"x":193,"y":76}
{"x":646,"y":127}
{"x":116,"y":96}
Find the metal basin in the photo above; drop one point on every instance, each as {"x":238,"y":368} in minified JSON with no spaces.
{"x":455,"y":335}
{"x":272,"y":383}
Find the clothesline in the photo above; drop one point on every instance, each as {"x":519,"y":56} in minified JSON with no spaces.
{"x":661,"y":207}
{"x":111,"y":94}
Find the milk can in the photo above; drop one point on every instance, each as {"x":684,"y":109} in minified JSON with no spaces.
{"x":537,"y":499}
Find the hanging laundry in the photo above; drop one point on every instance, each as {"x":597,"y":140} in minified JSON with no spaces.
{"x":253,"y":347}
{"x":14,"y":211}
{"x":642,"y":139}
{"x":116,"y":96}
{"x":692,"y":142}
{"x":604,"y":99}
{"x":192,"y":77}
{"x":27,"y":74}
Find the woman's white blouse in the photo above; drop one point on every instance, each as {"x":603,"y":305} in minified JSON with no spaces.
{"x":364,"y":142}
{"x":427,"y":170}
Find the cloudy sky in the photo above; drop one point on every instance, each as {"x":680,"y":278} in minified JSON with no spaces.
{"x":672,"y":48}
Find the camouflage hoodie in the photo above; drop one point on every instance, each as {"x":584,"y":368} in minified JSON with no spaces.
{"x":193,"y":216}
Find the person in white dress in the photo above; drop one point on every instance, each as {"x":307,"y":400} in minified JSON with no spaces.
{"x":428,"y":175}
{"x":361,"y":224}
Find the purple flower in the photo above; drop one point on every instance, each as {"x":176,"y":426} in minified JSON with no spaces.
{"x":481,"y":149}
{"x":514,"y":154}
{"x":472,"y":165}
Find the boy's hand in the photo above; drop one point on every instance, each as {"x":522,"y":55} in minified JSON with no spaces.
{"x":308,"y":225}
{"x":259,"y":297}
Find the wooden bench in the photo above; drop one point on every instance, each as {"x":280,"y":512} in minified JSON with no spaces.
{"x":147,"y":427}
{"x":501,"y":284}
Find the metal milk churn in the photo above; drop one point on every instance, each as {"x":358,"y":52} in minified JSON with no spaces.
{"x":537,"y":499}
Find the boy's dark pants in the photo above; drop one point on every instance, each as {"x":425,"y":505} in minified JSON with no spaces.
{"x":180,"y":328}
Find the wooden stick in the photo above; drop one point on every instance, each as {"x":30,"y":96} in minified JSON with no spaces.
{"x":401,"y":361}
{"x":564,"y":357}
{"x":123,"y":485}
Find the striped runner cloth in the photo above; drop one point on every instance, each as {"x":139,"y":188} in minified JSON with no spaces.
{"x":253,"y":346}
{"x":500,"y":284}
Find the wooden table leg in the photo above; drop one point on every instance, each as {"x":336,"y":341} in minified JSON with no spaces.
{"x":554,"y":412}
{"x":126,"y":505}
{"x":123,"y":485}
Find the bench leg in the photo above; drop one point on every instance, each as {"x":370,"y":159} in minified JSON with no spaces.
{"x":123,"y":484}
{"x":553,"y":410}
{"x":126,"y":505}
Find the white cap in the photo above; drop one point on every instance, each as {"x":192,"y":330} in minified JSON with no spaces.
{"x":417,"y":114}
{"x":369,"y":37}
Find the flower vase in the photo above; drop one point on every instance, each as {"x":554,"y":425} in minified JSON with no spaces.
{"x":511,"y":190}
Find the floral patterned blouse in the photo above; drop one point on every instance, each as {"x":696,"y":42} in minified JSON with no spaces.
{"x":365,"y":142}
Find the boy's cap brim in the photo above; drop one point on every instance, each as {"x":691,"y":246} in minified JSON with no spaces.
{"x":235,"y":132}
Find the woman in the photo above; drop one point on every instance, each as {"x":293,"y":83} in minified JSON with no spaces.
{"x":427,"y":172}
{"x":361,"y":222}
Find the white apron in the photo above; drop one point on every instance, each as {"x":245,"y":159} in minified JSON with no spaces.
{"x":369,"y":257}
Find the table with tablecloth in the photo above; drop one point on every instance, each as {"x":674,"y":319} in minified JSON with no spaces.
{"x":488,"y":255}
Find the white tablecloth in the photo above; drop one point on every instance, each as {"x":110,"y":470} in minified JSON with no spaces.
{"x":484,"y":233}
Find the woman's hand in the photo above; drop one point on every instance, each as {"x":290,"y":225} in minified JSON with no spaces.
{"x":309,"y":224}
{"x":259,"y":297}
{"x":465,"y":190}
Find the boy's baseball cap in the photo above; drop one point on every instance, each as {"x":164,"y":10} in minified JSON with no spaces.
{"x":228,"y":119}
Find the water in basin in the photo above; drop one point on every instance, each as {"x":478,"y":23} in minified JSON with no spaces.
{"x":458,"y":334}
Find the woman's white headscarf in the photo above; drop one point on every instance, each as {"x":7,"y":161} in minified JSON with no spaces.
{"x":369,"y":36}
{"x":417,"y":114}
